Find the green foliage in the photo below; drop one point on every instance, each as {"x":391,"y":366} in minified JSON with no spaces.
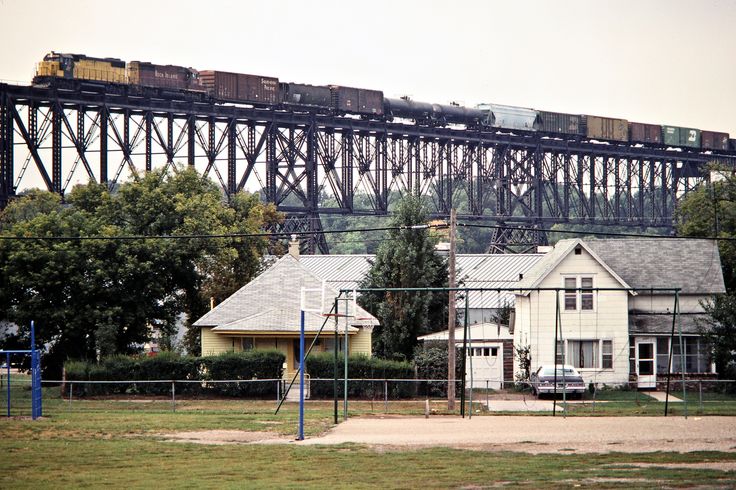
{"x":249,"y":365}
{"x":432,"y":363}
{"x":322,"y":365}
{"x":406,"y":259}
{"x":93,"y":298}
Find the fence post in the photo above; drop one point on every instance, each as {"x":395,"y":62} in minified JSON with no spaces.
{"x":385,"y":396}
{"x":173,"y":396}
{"x":700,"y":389}
{"x":278,"y":391}
{"x":488,"y":404}
{"x":71,"y":392}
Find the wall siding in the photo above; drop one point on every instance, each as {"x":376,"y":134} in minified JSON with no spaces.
{"x":213,"y":343}
{"x":608,"y":320}
{"x":361,"y":342}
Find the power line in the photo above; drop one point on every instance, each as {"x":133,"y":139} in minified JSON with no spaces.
{"x":599,"y":233}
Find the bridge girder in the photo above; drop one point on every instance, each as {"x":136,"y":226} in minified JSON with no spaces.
{"x":311,"y":165}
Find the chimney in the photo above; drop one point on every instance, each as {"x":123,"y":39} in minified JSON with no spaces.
{"x":294,"y":247}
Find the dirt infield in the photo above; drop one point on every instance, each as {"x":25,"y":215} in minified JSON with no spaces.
{"x":541,"y":434}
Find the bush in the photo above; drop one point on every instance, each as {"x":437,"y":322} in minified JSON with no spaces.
{"x":361,"y":367}
{"x":254,"y":364}
{"x":167,"y":366}
{"x":431,"y":362}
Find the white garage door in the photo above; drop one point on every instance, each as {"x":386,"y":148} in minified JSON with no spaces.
{"x":486,"y":360}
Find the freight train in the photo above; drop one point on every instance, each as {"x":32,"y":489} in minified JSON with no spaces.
{"x":80,"y":72}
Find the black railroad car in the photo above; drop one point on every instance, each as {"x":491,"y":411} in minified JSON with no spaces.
{"x":350,"y":100}
{"x":559,"y":123}
{"x":312,"y":96}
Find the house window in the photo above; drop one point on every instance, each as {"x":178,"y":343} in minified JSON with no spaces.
{"x":579,"y":291}
{"x":696,"y":355}
{"x":590,"y":354}
{"x":246,"y":343}
{"x":559,"y":355}
{"x":607,"y":354}
{"x":586,"y":295}
{"x":571,"y":295}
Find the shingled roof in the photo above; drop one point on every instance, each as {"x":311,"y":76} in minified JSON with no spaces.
{"x":271,"y":303}
{"x":693,"y":265}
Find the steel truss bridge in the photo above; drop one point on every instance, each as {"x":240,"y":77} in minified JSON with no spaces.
{"x":312,"y":165}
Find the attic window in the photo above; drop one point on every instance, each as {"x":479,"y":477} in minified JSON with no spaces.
{"x":578,"y":250}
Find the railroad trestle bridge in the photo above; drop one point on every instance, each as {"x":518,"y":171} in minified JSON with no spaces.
{"x":311,"y":165}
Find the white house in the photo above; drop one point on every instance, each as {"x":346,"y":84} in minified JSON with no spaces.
{"x":615,"y":320}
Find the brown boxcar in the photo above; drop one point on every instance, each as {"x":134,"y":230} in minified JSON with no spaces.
{"x":645,"y":133}
{"x":163,"y":76}
{"x":555,"y":122}
{"x":713,"y":140}
{"x":357,"y":100}
{"x":239,"y":87}
{"x":606,"y":128}
{"x":306,"y":95}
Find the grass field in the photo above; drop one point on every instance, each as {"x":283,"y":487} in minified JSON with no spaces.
{"x":119,"y":443}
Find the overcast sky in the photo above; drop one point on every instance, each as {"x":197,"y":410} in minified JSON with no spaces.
{"x":662,"y":61}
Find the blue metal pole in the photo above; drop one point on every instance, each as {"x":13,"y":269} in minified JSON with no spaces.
{"x":7,"y":364}
{"x":34,"y":373}
{"x":300,"y":436}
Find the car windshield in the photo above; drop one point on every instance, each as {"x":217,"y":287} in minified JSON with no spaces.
{"x":567,"y":372}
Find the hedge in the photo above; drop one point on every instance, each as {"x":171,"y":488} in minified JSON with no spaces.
{"x":360,"y":367}
{"x":254,"y":364}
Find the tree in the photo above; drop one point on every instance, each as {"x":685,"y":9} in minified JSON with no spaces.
{"x":101,"y":295}
{"x":710,"y":210}
{"x":406,"y":259}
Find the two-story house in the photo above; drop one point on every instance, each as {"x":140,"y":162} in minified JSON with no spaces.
{"x":612,"y":303}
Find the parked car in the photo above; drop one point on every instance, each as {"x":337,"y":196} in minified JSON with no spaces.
{"x":569,"y":381}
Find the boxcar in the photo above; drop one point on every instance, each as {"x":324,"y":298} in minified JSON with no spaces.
{"x":239,"y":87}
{"x":558,"y":123}
{"x":713,"y":140}
{"x":163,"y":76}
{"x":645,"y":133}
{"x":306,"y":95}
{"x":357,"y":100}
{"x":677,"y":136}
{"x":606,"y":128}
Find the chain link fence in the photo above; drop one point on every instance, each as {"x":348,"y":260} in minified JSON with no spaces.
{"x":419,"y":397}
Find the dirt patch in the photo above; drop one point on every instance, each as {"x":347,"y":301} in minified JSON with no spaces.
{"x":220,"y":437}
{"x":540,"y":434}
{"x":718,"y":465}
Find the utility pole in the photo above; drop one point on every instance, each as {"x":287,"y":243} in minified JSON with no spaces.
{"x":451,"y":317}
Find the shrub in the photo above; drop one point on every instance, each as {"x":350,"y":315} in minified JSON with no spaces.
{"x":248,"y":365}
{"x":431,"y":362}
{"x":363,"y":368}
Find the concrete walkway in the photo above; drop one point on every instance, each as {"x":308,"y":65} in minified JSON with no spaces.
{"x":662,"y":396}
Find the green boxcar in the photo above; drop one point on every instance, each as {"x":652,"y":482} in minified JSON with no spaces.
{"x":677,"y":136}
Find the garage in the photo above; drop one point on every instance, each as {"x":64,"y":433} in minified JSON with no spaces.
{"x":489,"y":347}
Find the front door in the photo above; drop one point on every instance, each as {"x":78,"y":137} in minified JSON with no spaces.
{"x":646,"y":356}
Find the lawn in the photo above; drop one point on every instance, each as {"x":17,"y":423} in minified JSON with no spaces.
{"x":119,"y":443}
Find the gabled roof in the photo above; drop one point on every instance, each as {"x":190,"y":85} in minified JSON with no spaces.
{"x":473,"y":270}
{"x":271,"y":302}
{"x":693,"y":265}
{"x":534,"y":276}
